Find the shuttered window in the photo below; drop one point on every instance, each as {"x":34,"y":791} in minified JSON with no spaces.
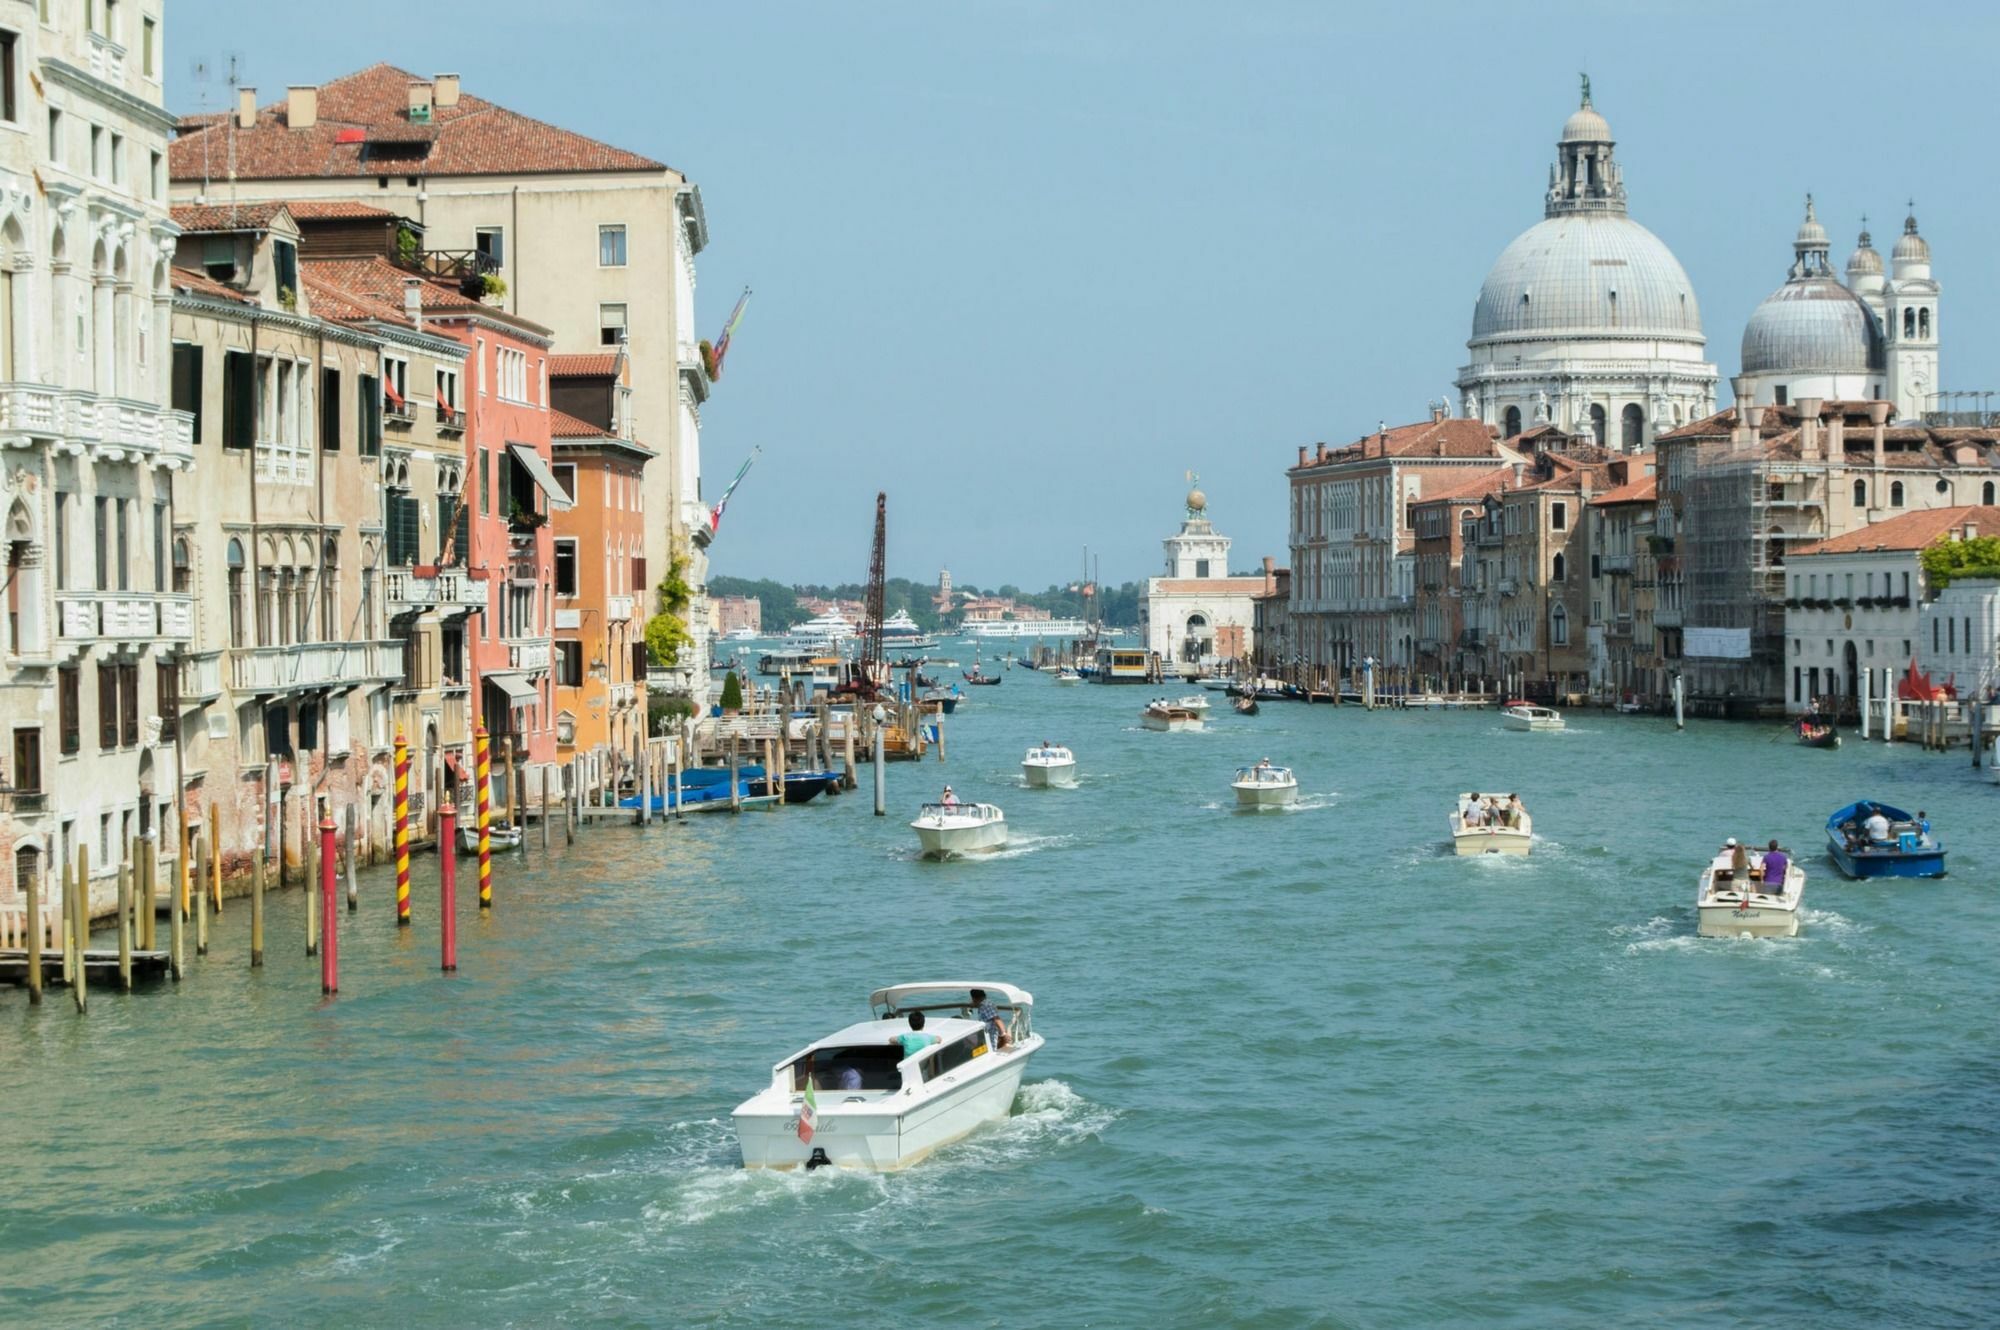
{"x":239,"y":400}
{"x":405,"y":529}
{"x":329,"y":410}
{"x":638,"y":661}
{"x":107,"y":705}
{"x":128,"y":704}
{"x":368,"y":400}
{"x":187,"y":383}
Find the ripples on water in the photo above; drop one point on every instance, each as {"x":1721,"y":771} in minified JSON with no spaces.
{"x":1304,"y":1068}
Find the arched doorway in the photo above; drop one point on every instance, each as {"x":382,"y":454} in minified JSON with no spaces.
{"x":1513,"y":425}
{"x":1597,"y":423}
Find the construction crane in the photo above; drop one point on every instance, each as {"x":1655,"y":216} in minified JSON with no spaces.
{"x":871,"y":648}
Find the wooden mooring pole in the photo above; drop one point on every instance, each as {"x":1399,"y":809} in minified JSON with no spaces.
{"x":256,"y":909}
{"x":33,"y":887}
{"x":125,"y":927}
{"x":78,"y":926}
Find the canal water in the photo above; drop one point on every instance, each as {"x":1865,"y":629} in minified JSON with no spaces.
{"x":1302,"y":1069}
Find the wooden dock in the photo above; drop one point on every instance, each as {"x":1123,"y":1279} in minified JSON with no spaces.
{"x":101,"y":967}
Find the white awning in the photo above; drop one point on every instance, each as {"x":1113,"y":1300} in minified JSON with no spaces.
{"x":515,"y":684}
{"x":539,"y":469}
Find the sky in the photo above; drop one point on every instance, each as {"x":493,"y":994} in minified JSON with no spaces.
{"x":1022,"y":264}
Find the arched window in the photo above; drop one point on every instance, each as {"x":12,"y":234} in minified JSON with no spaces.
{"x":237,"y":616}
{"x":1557,"y":569}
{"x":1909,"y":323}
{"x":329,"y":590}
{"x":1633,"y":429}
{"x":27,"y":867}
{"x":183,"y":566}
{"x":1924,"y":322}
{"x":1860,"y":494}
{"x":1986,"y":494}
{"x":1513,"y":425}
{"x":1896,"y":494}
{"x":1597,"y":424}
{"x":1559,"y":626}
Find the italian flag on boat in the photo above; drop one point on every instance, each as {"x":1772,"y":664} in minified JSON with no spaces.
{"x":808,"y":1115}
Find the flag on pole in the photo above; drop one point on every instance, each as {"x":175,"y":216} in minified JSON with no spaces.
{"x":715,"y":513}
{"x":808,"y":1114}
{"x":729,"y":331}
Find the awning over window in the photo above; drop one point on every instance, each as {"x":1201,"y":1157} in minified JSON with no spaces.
{"x":539,"y":469}
{"x":514,"y":683}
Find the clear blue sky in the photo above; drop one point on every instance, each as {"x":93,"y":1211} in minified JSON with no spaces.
{"x":1023,"y":264}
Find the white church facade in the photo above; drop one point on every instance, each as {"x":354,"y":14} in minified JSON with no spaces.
{"x":1198,"y":617}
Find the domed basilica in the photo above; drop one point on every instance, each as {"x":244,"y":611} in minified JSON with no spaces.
{"x":1587,"y":321}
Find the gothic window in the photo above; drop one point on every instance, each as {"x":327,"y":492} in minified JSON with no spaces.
{"x":1513,"y":426}
{"x":1559,"y":626}
{"x":236,"y":607}
{"x":1633,"y":427}
{"x":1597,"y":424}
{"x":1558,"y":569}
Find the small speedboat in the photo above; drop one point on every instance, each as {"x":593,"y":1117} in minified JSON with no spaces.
{"x":801,"y":787}
{"x":1497,"y":831}
{"x":949,"y":830}
{"x":1265,"y":786}
{"x":1067,"y":675}
{"x":1896,"y":845}
{"x":1528,"y":716}
{"x":1726,"y":906}
{"x":943,"y":701}
{"x":1817,"y":732}
{"x":883,"y":1093}
{"x":499,"y":836}
{"x":1169,"y":717}
{"x":1049,"y":765}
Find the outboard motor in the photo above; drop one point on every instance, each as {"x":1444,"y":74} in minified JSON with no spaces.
{"x":818,"y":1160}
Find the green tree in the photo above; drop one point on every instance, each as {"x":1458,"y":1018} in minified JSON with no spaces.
{"x":732,"y":692}
{"x":1945,"y":560}
{"x":667,"y":631}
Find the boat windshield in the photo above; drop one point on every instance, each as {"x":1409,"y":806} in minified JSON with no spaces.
{"x":854,"y":1067}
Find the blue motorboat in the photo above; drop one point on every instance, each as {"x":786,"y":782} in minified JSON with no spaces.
{"x":1870,"y":839}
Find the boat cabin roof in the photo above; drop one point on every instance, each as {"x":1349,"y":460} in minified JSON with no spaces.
{"x":1487,"y":794}
{"x":945,"y":993}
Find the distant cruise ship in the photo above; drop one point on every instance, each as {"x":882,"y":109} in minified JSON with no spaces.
{"x":823,"y":630}
{"x":1029,"y":628}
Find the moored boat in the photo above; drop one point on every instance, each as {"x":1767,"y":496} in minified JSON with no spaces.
{"x":882,"y":1094}
{"x":1869,"y":840}
{"x":947,"y":830}
{"x":1740,"y":903}
{"x":1067,"y":675}
{"x":499,"y":836}
{"x":1528,"y":716}
{"x":1168,"y":717}
{"x":1049,"y":765}
{"x":1484,"y":823}
{"x":1265,"y":786}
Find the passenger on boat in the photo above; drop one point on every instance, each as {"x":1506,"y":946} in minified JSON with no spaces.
{"x":1877,"y":826}
{"x":986,"y":1011}
{"x":1923,"y":823}
{"x":850,"y":1079}
{"x":916,"y":1039}
{"x":1776,"y":864}
{"x":1472,"y":815}
{"x":1515,"y":811}
{"x":1739,"y":859}
{"x":949,"y":800}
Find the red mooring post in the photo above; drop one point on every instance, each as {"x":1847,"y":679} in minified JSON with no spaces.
{"x":483,"y":772}
{"x":448,"y":883}
{"x":402,"y":831}
{"x":329,"y":918}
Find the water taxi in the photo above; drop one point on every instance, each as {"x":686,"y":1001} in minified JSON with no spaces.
{"x":1068,"y":675}
{"x":1494,"y":832}
{"x":1869,"y":839}
{"x":1265,"y":786}
{"x":882,"y":1094}
{"x":499,"y":835}
{"x":947,"y":830}
{"x":1729,"y":906}
{"x":1192,"y":702}
{"x":1049,"y":765}
{"x":1528,"y":716}
{"x":1169,"y":717}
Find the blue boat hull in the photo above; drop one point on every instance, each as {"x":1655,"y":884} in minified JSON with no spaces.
{"x":1866,"y":864}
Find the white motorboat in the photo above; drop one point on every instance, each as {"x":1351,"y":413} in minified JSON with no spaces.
{"x":499,"y":835}
{"x":1528,"y":716}
{"x":1265,"y":786}
{"x":741,"y":633}
{"x":1170,"y":716}
{"x":867,"y":1097}
{"x":1067,"y":675}
{"x":1192,"y":702}
{"x":953,"y":829}
{"x":1498,"y":830}
{"x":1726,"y":907}
{"x":1049,"y":765}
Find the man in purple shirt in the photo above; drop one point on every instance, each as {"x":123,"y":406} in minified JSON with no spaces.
{"x":1776,"y":864}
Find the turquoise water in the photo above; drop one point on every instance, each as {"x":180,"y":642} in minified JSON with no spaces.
{"x":1303,"y":1068}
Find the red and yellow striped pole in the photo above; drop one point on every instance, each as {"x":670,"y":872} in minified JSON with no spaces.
{"x":482,"y":772}
{"x":402,"y":831}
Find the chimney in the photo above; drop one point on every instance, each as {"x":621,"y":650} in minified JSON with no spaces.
{"x":1322,"y":452}
{"x":1878,"y":416}
{"x":420,"y":101}
{"x":246,"y":108}
{"x":413,"y":300}
{"x":1809,"y":409}
{"x":1270,"y":575}
{"x":1302,"y":454}
{"x":302,"y":106}
{"x":1584,"y":482}
{"x":445,"y":91}
{"x":1437,"y":412}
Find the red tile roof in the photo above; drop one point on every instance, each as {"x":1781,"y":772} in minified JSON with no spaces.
{"x":1643,"y":490}
{"x":201,"y":284}
{"x":375,"y":287}
{"x":315,"y":210}
{"x":474,"y":137}
{"x":225,"y":216}
{"x":1911,"y":531}
{"x":1456,"y":436}
{"x":563,"y":425}
{"x":1475,"y":486}
{"x":590,"y":364}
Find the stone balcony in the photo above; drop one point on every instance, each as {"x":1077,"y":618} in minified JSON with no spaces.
{"x":442,"y":588}
{"x":124,"y":616}
{"x":310,"y":665}
{"x":529,"y":653}
{"x":1615,"y":563}
{"x":617,"y":609}
{"x":201,"y":677}
{"x":112,"y":427}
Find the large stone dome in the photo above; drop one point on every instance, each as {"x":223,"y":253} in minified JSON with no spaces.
{"x":1586,"y":275}
{"x":1812,"y":325}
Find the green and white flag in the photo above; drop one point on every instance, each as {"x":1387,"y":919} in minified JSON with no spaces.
{"x":808,"y":1115}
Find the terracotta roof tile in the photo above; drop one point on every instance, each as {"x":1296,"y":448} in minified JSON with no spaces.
{"x":1643,"y":490}
{"x":563,"y":425}
{"x":225,"y":216}
{"x":474,"y":137}
{"x":1454,"y":436}
{"x":315,"y":210}
{"x":1475,"y":486}
{"x":373,"y":289}
{"x":1911,"y":531}
{"x":201,"y":284}
{"x":589,"y":364}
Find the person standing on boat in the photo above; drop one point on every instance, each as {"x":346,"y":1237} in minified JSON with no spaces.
{"x":1923,"y":823}
{"x":950,"y":800}
{"x":1739,"y":859}
{"x":1776,"y":864}
{"x":1516,"y":810}
{"x":986,"y":1011}
{"x":916,"y":1040}
{"x":1877,"y":826}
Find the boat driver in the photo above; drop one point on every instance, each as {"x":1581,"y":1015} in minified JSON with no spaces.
{"x":950,"y":800}
{"x":1877,"y":826}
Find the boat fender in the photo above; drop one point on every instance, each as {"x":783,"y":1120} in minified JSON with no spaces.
{"x":818,"y":1160}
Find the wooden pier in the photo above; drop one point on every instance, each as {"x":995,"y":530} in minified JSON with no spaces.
{"x":101,"y":966}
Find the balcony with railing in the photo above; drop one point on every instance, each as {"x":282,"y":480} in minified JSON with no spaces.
{"x":123,"y":616}
{"x":617,"y":609}
{"x":529,"y":653}
{"x":1615,"y":563}
{"x":450,"y":420}
{"x":314,"y":665}
{"x":124,"y":425}
{"x":284,"y":463}
{"x":201,"y":677}
{"x":456,"y":265}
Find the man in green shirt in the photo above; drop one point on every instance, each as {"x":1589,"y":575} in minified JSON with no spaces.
{"x":915,"y":1039}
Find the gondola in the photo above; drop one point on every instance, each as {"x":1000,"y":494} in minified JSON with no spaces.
{"x":1246,"y":705}
{"x":1817,"y":732}
{"x":984,"y":680}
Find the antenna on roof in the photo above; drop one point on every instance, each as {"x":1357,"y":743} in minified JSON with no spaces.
{"x":200,"y":75}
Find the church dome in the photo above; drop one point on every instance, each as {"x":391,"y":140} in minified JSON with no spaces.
{"x":1586,"y":275}
{"x":1812,"y":325}
{"x":1586,"y":126}
{"x":1864,"y":261}
{"x":1911,"y":247}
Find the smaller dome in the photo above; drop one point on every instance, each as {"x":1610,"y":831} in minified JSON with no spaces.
{"x":1197,"y":502}
{"x":1911,"y":247}
{"x":1586,"y":126}
{"x":1864,"y":261}
{"x":1811,"y":234}
{"x":1812,"y":325}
